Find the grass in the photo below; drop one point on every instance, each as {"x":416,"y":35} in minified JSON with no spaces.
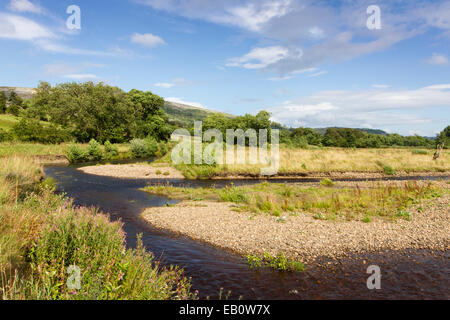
{"x":325,"y":160}
{"x":42,"y":235}
{"x":37,"y":149}
{"x":279,"y":262}
{"x":7,"y":121}
{"x":323,"y":202}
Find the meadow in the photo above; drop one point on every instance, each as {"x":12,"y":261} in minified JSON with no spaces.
{"x":310,"y":161}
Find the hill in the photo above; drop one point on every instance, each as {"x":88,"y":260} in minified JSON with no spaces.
{"x":24,"y":93}
{"x":184,"y":115}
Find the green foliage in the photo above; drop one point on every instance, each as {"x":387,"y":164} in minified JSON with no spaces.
{"x":419,"y":152}
{"x":444,"y":137}
{"x":100,"y":112}
{"x":5,"y":135}
{"x":144,"y":148}
{"x":95,"y":150}
{"x":349,"y":138}
{"x":327,"y":183}
{"x":31,"y":130}
{"x":42,"y":235}
{"x":76,"y":154}
{"x":387,"y":169}
{"x":3,"y":100}
{"x":14,"y":99}
{"x":14,"y":110}
{"x":279,"y":262}
{"x":231,"y":194}
{"x":111,"y":151}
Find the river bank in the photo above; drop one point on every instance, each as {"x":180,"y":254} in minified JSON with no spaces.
{"x":164,"y":170}
{"x":407,"y":274}
{"x":303,"y":235}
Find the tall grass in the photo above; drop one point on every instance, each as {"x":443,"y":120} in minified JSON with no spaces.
{"x":301,"y":161}
{"x":42,"y":235}
{"x":323,"y":202}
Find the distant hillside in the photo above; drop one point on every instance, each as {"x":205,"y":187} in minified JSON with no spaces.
{"x":184,"y":115}
{"x":322,"y":131}
{"x":24,"y":93}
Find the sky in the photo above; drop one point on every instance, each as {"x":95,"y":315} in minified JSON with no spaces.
{"x":310,"y":63}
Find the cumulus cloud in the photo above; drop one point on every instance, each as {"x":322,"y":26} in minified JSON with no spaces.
{"x":438,"y":59}
{"x":16,"y":27}
{"x":374,"y":108}
{"x":147,"y":40}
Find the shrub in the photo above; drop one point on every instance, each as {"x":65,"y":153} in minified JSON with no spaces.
{"x":76,"y":154}
{"x":111,"y":151}
{"x":31,"y":130}
{"x":144,"y":148}
{"x":95,"y":150}
{"x":5,"y":135}
{"x":327,"y":183}
{"x":14,"y":110}
{"x":387,"y":169}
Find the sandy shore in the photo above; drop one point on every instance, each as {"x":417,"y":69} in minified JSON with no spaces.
{"x":302,"y":237}
{"x":134,"y":171}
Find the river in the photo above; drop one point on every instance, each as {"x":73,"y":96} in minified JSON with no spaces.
{"x":405,"y":275}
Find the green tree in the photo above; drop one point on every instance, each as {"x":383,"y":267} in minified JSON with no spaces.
{"x":14,"y":99}
{"x":444,"y":137}
{"x":3,"y":100}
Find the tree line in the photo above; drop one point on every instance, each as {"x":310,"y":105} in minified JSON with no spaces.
{"x":84,"y":111}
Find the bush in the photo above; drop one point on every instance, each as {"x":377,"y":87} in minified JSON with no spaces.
{"x":144,"y":148}
{"x":327,"y":183}
{"x":76,"y":154}
{"x":111,"y":151}
{"x":5,"y":135}
{"x":95,"y":150}
{"x":31,"y":130}
{"x":14,"y":110}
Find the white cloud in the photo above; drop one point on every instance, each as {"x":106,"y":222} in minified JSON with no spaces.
{"x":175,"y":82}
{"x":251,"y":15}
{"x":325,"y":32}
{"x":147,"y":40}
{"x":438,"y":59}
{"x":164,"y":85}
{"x":318,"y":74}
{"x":375,"y":108}
{"x":24,"y":6}
{"x":182,"y":101}
{"x":259,"y":58}
{"x":60,"y":69}
{"x":82,"y":77}
{"x":20,"y":28}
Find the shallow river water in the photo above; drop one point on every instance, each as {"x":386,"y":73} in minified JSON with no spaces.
{"x":405,"y":275}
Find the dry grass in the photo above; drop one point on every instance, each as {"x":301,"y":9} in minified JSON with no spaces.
{"x":351,"y":160}
{"x":377,"y":200}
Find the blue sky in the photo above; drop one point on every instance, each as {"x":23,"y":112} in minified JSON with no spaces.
{"x":310,"y":63}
